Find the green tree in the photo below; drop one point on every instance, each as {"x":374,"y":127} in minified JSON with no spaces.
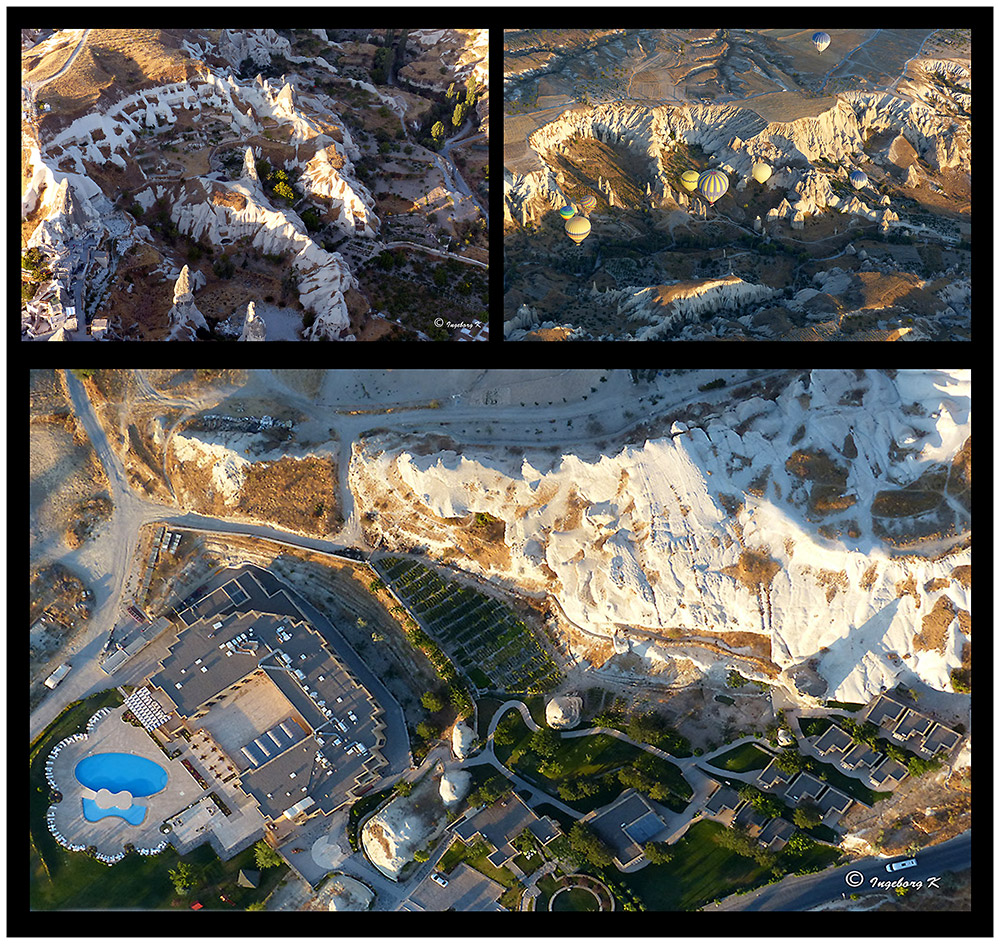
{"x":404,"y":788}
{"x":742,"y":843}
{"x":506,"y":732}
{"x":266,"y":856}
{"x":807,"y":816}
{"x":658,"y":852}
{"x":458,"y":115}
{"x":545,"y":742}
{"x":460,"y":701}
{"x":183,"y":876}
{"x":800,"y":843}
{"x":257,"y":906}
{"x":421,"y":855}
{"x":587,"y":844}
{"x":426,"y":730}
{"x":437,"y":132}
{"x":282,"y":190}
{"x":790,"y":761}
{"x":432,"y":701}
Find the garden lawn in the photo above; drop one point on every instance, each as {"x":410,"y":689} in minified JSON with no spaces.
{"x":742,"y":758}
{"x":700,"y":871}
{"x":594,"y":757}
{"x":812,"y":727}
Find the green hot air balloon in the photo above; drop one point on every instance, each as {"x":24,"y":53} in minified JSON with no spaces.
{"x":713,"y":184}
{"x":689,"y":180}
{"x":578,"y":229}
{"x":567,"y":212}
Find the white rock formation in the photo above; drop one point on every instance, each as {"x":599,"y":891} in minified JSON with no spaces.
{"x":348,"y":894}
{"x":672,"y":574}
{"x":184,"y":316}
{"x":249,"y":171}
{"x":563,"y":711}
{"x":737,"y":137}
{"x":454,"y":786}
{"x":462,"y":739}
{"x":675,"y":304}
{"x":254,"y":328}
{"x":256,"y":44}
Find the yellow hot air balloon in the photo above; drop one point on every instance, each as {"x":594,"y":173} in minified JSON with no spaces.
{"x":588,"y":203}
{"x":712,"y":185}
{"x":689,"y":180}
{"x":578,"y":229}
{"x":761,"y":172}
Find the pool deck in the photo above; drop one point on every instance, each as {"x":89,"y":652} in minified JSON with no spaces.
{"x":111,"y":833}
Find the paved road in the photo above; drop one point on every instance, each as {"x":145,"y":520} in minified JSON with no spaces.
{"x":800,"y":892}
{"x":436,"y":252}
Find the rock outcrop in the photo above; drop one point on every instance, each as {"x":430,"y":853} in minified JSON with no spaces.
{"x":462,"y":739}
{"x":563,"y":711}
{"x":184,"y":316}
{"x":256,"y":44}
{"x":254,"y":328}
{"x":249,"y":172}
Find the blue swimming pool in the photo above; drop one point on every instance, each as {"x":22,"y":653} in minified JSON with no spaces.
{"x":133,"y":814}
{"x":116,"y":772}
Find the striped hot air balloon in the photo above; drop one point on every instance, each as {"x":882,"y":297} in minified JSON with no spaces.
{"x":588,"y":203}
{"x":821,"y":41}
{"x":859,"y":179}
{"x":713,"y":184}
{"x":689,"y":180}
{"x":567,"y":212}
{"x":578,"y":229}
{"x":761,"y":172}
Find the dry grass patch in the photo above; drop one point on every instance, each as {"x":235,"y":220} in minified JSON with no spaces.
{"x":113,"y":64}
{"x":963,"y":574}
{"x":908,"y":587}
{"x":934,"y":626}
{"x":832,"y":580}
{"x":298,"y":494}
{"x":755,"y":569}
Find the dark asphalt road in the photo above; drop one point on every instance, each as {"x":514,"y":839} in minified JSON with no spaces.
{"x":800,"y":892}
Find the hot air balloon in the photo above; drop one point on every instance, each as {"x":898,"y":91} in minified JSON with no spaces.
{"x":859,"y":179}
{"x":821,"y":41}
{"x":689,"y":180}
{"x":578,"y":229}
{"x":761,"y":172}
{"x":567,"y":212}
{"x":588,"y":203}
{"x":713,"y":184}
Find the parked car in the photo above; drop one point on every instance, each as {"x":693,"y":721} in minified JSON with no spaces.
{"x":440,"y":879}
{"x":905,"y":864}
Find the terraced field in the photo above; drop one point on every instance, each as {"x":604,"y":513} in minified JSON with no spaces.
{"x":495,"y":648}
